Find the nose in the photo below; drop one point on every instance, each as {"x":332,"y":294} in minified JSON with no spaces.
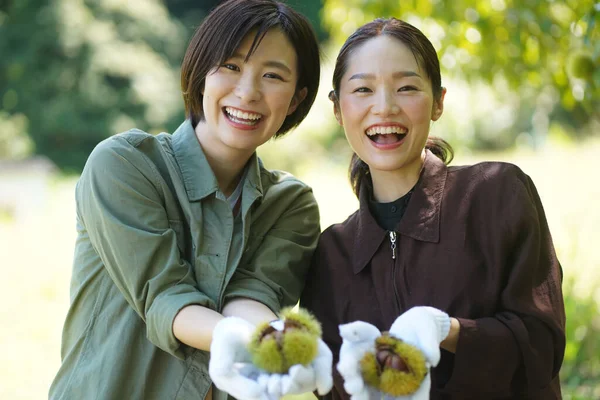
{"x":247,"y":89}
{"x":385,"y":104}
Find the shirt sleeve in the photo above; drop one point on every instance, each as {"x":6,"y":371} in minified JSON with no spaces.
{"x":120,"y":201}
{"x":275,"y":273}
{"x":522,"y":346}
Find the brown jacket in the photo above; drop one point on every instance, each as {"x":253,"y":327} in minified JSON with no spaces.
{"x":473,"y":242}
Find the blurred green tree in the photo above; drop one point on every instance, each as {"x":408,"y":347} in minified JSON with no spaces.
{"x":80,"y":71}
{"x":547,"y":52}
{"x":312,"y":9}
{"x":191,"y":12}
{"x":73,"y":72}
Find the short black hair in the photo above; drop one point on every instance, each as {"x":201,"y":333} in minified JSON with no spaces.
{"x":221,"y":33}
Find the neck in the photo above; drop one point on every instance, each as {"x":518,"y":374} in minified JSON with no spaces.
{"x":391,"y":185}
{"x":226,"y":163}
{"x":228,"y":175}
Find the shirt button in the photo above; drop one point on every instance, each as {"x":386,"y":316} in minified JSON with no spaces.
{"x":393,"y":209}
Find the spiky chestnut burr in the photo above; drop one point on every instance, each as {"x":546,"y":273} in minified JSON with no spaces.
{"x":396,"y":368}
{"x":291,"y":340}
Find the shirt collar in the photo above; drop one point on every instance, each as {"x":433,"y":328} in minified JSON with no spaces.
{"x":421,"y":220}
{"x":198,"y":176}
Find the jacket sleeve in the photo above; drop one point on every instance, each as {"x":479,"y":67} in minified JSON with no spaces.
{"x":518,"y":351}
{"x":275,"y":271}
{"x":319,"y":298}
{"x":119,"y":201}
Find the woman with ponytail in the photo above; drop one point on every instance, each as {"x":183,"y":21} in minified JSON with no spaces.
{"x":455,"y":261}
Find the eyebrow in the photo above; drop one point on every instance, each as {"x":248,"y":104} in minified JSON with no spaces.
{"x":399,"y":74}
{"x":270,"y":63}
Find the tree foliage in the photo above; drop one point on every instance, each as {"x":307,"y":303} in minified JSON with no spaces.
{"x":83,"y":70}
{"x":545,"y":51}
{"x":73,"y":72}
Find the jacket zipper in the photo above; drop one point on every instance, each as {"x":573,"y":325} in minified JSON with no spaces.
{"x":393,"y":244}
{"x":393,"y":247}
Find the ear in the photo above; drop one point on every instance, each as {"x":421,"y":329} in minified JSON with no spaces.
{"x":336,"y":108}
{"x":438,"y":106}
{"x":297,"y":99}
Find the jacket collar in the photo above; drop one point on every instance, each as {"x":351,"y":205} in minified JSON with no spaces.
{"x":421,"y":220}
{"x":198,"y":176}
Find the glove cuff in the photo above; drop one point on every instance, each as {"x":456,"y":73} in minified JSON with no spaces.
{"x":442,"y":321}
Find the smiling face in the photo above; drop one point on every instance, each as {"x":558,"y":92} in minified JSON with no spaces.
{"x":386,"y":105}
{"x":246,"y":101}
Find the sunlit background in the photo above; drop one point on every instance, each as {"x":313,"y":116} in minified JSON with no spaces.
{"x":523,"y":79}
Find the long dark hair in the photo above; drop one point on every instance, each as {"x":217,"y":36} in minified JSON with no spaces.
{"x":221,"y":33}
{"x":427,"y":59}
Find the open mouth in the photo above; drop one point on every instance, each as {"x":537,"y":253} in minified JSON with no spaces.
{"x":241,"y":117}
{"x":386,"y":134}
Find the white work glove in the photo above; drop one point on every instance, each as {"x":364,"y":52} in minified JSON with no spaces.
{"x":316,"y":376}
{"x":423,"y":327}
{"x":230,"y":366}
{"x":232,"y":371}
{"x":358,"y":339}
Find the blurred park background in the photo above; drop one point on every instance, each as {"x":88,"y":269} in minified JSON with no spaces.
{"x":523,"y":79}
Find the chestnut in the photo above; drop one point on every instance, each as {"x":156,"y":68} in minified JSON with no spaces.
{"x":396,"y":368}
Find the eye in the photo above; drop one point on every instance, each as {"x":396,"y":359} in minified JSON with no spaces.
{"x":406,"y":88}
{"x":231,"y":67}
{"x":272,"y":75}
{"x":362,"y":89}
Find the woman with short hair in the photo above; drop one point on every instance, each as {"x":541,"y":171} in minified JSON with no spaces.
{"x":177,"y":231}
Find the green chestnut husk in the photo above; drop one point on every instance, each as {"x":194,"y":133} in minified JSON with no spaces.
{"x":276,"y":350}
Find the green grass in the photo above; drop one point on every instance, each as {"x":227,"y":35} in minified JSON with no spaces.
{"x":35,"y":255}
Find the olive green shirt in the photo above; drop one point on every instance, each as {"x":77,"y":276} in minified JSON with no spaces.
{"x":156,"y":234}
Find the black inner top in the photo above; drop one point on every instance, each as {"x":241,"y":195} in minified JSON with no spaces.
{"x":388,"y":215}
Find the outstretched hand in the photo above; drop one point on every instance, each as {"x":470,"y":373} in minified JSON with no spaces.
{"x":422,"y":327}
{"x":358,"y":339}
{"x":230,"y":366}
{"x":425,"y":328}
{"x":232,"y":370}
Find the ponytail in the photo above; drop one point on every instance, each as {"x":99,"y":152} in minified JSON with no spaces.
{"x":440,"y":148}
{"x":359,"y":170}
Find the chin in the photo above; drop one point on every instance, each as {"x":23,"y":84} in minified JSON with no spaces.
{"x":242,"y":146}
{"x":239,"y":142}
{"x":384,"y":165}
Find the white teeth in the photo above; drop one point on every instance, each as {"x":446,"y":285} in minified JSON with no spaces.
{"x":242,"y":115}
{"x":244,"y":122}
{"x":386,"y":130}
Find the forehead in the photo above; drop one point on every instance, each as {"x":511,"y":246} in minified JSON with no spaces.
{"x":383,"y":53}
{"x":274,"y":45}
